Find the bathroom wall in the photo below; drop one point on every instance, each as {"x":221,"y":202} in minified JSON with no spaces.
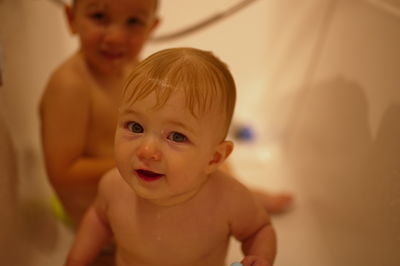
{"x":342,"y":147}
{"x":268,"y":46}
{"x":33,"y":40}
{"x":317,"y":83}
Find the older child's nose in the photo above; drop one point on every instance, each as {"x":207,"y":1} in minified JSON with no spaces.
{"x":149,"y":150}
{"x":115,"y":34}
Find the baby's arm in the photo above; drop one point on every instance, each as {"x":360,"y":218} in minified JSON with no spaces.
{"x":93,"y":234}
{"x":65,"y":118}
{"x":251,"y":225}
{"x":260,"y":247}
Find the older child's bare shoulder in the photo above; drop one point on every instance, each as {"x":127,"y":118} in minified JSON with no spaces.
{"x":67,"y":96}
{"x":69,"y":80}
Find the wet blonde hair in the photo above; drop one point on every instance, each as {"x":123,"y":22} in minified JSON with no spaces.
{"x":204,"y":79}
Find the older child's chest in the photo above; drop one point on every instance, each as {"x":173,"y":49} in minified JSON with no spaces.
{"x":181,"y":235}
{"x":103,"y":120}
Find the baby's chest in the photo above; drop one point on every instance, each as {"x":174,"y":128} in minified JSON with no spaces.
{"x":182,"y":237}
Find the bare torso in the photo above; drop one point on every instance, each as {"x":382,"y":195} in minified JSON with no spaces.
{"x":102,"y":123}
{"x":194,"y":233}
{"x":90,"y":136}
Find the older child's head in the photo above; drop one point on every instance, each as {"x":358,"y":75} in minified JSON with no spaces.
{"x":112,"y":32}
{"x":176,"y":109}
{"x":205,"y":81}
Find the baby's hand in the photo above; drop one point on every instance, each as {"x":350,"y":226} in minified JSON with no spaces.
{"x":254,"y":261}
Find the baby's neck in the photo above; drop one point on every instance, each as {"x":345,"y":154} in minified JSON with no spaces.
{"x":173,"y":201}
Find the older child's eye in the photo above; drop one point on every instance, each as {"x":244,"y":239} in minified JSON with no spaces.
{"x":134,"y":127}
{"x":99,"y":16}
{"x":177,"y":137}
{"x":134,"y":21}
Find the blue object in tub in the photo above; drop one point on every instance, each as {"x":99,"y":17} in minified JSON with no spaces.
{"x":243,"y":133}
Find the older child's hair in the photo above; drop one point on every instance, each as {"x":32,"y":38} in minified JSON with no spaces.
{"x":156,"y":4}
{"x":204,"y":79}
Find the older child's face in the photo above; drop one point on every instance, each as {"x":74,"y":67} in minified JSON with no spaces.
{"x":165,"y":154}
{"x":112,"y":32}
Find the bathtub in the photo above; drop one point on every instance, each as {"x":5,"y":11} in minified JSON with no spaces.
{"x":318,"y":83}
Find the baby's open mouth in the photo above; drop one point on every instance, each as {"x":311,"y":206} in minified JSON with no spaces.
{"x":148,"y":175}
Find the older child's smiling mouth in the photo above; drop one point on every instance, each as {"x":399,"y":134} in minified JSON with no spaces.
{"x":147,"y":175}
{"x":112,"y":55}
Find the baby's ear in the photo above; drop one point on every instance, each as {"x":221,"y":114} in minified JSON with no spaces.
{"x":221,"y":153}
{"x":69,"y":13}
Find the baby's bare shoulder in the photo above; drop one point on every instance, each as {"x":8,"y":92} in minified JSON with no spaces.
{"x":114,"y":191}
{"x":226,"y":190}
{"x":245,"y":215}
{"x":236,"y":196}
{"x":111,"y":182}
{"x":222,"y":181}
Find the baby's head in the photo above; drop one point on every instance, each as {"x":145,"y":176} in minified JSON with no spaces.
{"x":175,"y":113}
{"x":205,"y":81}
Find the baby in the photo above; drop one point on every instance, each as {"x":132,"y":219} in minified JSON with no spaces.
{"x":167,"y":203}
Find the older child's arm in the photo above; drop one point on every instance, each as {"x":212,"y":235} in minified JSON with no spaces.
{"x":251,"y":225}
{"x":92,"y":236}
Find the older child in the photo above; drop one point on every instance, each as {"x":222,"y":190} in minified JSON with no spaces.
{"x":79,"y":106}
{"x":168,"y":203}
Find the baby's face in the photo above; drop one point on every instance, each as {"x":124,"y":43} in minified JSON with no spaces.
{"x":112,"y":32}
{"x":164,"y":154}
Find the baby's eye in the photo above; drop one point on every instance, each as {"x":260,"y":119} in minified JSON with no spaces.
{"x":134,"y":127}
{"x":177,"y":137}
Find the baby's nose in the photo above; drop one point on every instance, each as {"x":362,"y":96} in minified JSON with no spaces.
{"x":149,"y":150}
